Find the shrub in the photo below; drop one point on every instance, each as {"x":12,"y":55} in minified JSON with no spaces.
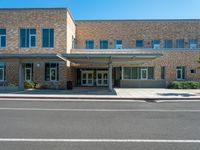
{"x":29,"y":85}
{"x":184,"y":85}
{"x":42,"y":86}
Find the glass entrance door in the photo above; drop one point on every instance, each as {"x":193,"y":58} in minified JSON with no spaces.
{"x":102,"y":78}
{"x":87,"y":78}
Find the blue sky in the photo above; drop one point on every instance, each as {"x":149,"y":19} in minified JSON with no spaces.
{"x":117,"y":9}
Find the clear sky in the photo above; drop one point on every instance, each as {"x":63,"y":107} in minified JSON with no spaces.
{"x":117,"y":9}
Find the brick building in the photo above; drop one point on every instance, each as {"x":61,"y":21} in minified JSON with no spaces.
{"x":48,"y":46}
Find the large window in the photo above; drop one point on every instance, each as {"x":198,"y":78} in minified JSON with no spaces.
{"x":193,"y":43}
{"x":89,"y":44}
{"x":156,"y":44}
{"x":162,"y":73}
{"x":180,"y":43}
{"x":27,"y":38}
{"x":168,"y":44}
{"x":139,"y":43}
{"x":2,"y":71}
{"x":140,"y":73}
{"x":103,"y":44}
{"x":51,"y":71}
{"x":2,"y":38}
{"x":28,"y":72}
{"x":180,"y":73}
{"x":47,"y":38}
{"x":118,"y":44}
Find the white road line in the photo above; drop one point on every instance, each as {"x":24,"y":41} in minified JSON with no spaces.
{"x":99,"y":110}
{"x":101,"y":140}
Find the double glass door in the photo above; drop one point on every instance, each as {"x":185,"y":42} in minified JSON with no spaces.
{"x":87,"y":78}
{"x":102,"y":78}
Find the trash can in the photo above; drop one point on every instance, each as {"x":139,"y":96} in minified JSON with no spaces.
{"x":69,"y":85}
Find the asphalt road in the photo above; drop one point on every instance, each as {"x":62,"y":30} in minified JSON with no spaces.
{"x":38,"y":125}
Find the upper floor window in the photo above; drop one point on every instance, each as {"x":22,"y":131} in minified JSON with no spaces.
{"x":139,"y":43}
{"x":168,"y":43}
{"x":180,"y":43}
{"x":27,"y":38}
{"x":2,"y":38}
{"x":180,"y":73}
{"x":103,"y":44}
{"x":89,"y":44}
{"x":193,"y":43}
{"x":47,"y":38}
{"x":51,"y":71}
{"x":118,"y":44}
{"x":155,"y":44}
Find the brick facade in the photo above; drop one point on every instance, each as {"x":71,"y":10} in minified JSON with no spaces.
{"x":66,"y":30}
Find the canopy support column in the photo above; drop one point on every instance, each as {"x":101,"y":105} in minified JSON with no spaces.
{"x":20,"y":76}
{"x":110,"y":76}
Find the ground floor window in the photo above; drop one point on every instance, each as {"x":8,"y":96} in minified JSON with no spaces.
{"x":162,"y":73}
{"x":180,"y":73}
{"x":2,"y":71}
{"x":51,"y":71}
{"x":28,"y":72}
{"x":140,"y":73}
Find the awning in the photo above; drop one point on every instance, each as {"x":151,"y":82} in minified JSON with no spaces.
{"x":118,"y":59}
{"x":28,"y":56}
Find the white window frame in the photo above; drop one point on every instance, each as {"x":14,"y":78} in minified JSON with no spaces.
{"x":3,"y":69}
{"x":141,"y":77}
{"x":30,"y":36}
{"x":87,"y":72}
{"x":118,"y":46}
{"x":0,"y":41}
{"x":31,"y":73}
{"x":56,"y":75}
{"x":102,"y":79}
{"x":181,"y":70}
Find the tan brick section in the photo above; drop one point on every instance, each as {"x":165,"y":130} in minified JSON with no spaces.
{"x":66,"y":29}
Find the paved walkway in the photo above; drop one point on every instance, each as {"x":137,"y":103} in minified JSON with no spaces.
{"x":105,"y":93}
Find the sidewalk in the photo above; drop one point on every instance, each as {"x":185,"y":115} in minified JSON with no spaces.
{"x":104,"y":93}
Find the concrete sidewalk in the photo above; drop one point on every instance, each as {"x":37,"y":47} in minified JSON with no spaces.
{"x":104,"y":93}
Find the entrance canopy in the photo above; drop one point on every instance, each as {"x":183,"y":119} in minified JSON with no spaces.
{"x":115,"y":59}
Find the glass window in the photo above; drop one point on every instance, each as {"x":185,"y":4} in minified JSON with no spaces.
{"x":103,"y":44}
{"x":118,"y":44}
{"x":168,"y":43}
{"x":47,"y":38}
{"x":89,"y":44}
{"x":180,"y":73}
{"x":162,"y":73}
{"x":27,"y":38}
{"x":155,"y":44}
{"x":139,"y":43}
{"x":2,"y":71}
{"x":28,"y":72}
{"x":51,"y":71}
{"x":2,"y":38}
{"x":130,"y":73}
{"x":180,"y":43}
{"x":193,"y":43}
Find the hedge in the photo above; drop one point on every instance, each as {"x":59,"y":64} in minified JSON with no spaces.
{"x":184,"y":85}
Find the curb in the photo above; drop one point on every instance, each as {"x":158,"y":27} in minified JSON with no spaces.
{"x":101,"y":98}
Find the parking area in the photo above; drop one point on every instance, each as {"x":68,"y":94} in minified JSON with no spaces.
{"x":99,"y":125}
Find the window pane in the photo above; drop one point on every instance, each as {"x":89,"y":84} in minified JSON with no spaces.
{"x":155,"y":43}
{"x":150,"y":73}
{"x":27,"y":37}
{"x":47,"y":72}
{"x":139,"y":43}
{"x":3,"y":41}
{"x":118,"y":44}
{"x":89,"y":44}
{"x":168,"y":43}
{"x":1,"y":74}
{"x":22,"y":37}
{"x":2,"y":31}
{"x":135,"y":73}
{"x":162,"y":73}
{"x":33,"y":41}
{"x":127,"y":72}
{"x":51,"y":37}
{"x":180,"y":43}
{"x":103,"y":44}
{"x":45,"y":38}
{"x":32,"y":31}
{"x":193,"y":43}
